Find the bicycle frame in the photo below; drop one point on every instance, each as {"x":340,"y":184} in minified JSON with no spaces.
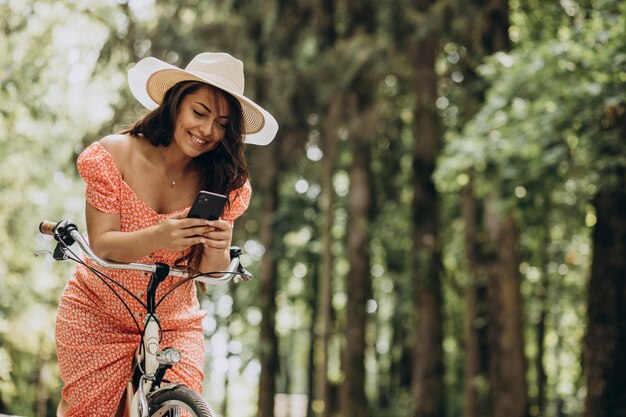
{"x":152,"y":361}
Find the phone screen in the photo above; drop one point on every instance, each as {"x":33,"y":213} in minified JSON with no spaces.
{"x":207,"y":206}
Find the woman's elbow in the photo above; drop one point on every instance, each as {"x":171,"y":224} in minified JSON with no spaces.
{"x":100,"y":249}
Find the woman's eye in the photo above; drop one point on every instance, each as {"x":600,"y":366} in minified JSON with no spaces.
{"x":197,"y":113}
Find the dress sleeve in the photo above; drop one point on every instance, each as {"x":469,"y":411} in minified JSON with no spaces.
{"x":102,"y":179}
{"x":239,"y":200}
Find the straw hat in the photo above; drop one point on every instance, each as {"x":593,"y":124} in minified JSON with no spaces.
{"x":150,"y":78}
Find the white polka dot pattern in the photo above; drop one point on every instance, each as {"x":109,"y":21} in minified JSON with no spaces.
{"x":96,"y":336}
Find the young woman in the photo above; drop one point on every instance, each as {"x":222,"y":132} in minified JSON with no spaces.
{"x":139,"y":187}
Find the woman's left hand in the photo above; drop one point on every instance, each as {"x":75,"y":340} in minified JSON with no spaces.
{"x":219,"y":237}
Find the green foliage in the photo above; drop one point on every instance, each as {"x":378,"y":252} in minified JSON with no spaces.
{"x":544,"y":140}
{"x":545,"y":109}
{"x":45,"y":113}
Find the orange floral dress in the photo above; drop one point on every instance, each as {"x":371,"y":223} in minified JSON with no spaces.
{"x":96,"y":335}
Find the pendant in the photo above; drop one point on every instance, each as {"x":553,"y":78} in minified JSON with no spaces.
{"x":173,"y":183}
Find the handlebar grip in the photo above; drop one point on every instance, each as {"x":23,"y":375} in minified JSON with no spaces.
{"x":47,"y":227}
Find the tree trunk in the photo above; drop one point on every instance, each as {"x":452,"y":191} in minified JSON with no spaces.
{"x":544,"y":307}
{"x":268,"y":345}
{"x":428,"y":384}
{"x":475,"y":403}
{"x":495,"y":26}
{"x":507,"y":364}
{"x":492,"y":37}
{"x":353,"y":402}
{"x":605,"y":339}
{"x":321,"y":404}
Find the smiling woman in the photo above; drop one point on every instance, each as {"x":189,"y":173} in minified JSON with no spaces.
{"x":140,"y":184}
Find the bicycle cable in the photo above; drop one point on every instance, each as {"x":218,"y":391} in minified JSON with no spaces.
{"x":101,"y":275}
{"x":104,"y":277}
{"x":186,"y":280}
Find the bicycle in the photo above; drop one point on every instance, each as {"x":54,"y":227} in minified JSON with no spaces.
{"x":152,"y":395}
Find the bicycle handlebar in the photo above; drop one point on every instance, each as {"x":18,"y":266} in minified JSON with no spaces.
{"x":47,"y":227}
{"x":68,"y":233}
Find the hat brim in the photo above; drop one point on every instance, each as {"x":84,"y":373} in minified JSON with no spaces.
{"x":150,"y":78}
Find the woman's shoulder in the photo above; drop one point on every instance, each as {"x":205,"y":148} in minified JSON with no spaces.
{"x":117,"y":145}
{"x":125,"y":148}
{"x":111,"y":153}
{"x":111,"y":145}
{"x":115,"y":140}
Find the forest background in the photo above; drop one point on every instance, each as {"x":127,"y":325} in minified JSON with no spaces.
{"x":439,"y":228}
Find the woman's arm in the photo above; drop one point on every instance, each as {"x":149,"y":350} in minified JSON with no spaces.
{"x":175,"y":233}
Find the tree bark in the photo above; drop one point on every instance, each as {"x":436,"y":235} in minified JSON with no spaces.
{"x":605,"y":339}
{"x":321,"y":404}
{"x":353,"y":402}
{"x":487,"y":37}
{"x":507,"y":363}
{"x":268,"y":345}
{"x":475,"y":403}
{"x":544,"y":306}
{"x":427,"y":385}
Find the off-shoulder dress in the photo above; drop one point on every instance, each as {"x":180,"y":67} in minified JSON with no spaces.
{"x":96,"y":336}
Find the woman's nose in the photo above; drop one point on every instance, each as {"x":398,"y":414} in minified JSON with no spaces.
{"x":206,"y":129}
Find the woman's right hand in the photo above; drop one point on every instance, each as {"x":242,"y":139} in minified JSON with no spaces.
{"x":177,"y":232}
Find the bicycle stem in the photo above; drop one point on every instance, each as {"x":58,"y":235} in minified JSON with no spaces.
{"x":162,"y":271}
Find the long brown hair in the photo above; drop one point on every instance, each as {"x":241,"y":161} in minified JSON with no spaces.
{"x":223,"y":169}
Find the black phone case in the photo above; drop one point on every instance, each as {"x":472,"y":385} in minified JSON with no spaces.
{"x":207,"y":206}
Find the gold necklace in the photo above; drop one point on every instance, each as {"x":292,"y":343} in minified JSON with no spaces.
{"x":166,"y":171}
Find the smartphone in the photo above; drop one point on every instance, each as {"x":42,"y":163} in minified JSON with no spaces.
{"x":208,"y":206}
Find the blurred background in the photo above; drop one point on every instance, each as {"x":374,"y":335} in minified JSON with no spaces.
{"x":439,"y":228}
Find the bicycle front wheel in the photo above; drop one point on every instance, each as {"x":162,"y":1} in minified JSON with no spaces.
{"x":170,"y":402}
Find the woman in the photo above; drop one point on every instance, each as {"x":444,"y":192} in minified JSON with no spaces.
{"x":139,"y":187}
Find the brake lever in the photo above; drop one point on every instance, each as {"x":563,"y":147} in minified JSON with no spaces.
{"x":243,"y":273}
{"x":59,"y":253}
